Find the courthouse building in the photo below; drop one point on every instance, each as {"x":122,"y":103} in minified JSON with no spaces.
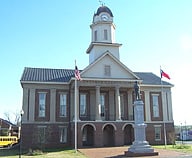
{"x":105,"y":113}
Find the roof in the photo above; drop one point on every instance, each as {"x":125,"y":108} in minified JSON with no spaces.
{"x":47,"y":75}
{"x":104,"y":9}
{"x":64,"y":75}
{"x":6,"y":122}
{"x":150,"y":78}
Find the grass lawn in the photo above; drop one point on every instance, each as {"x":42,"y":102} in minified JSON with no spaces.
{"x":70,"y":153}
{"x":64,"y":153}
{"x":179,"y":147}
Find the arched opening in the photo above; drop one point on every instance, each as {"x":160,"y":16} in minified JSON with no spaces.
{"x":128,"y":135}
{"x":88,"y":135}
{"x":108,"y":136}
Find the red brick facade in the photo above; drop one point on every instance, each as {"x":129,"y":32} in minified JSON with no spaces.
{"x":102,"y":101}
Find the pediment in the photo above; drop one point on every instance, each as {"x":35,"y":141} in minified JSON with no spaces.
{"x":107,"y":61}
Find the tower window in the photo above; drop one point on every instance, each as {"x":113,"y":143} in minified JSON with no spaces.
{"x":95,"y":35}
{"x":105,"y":35}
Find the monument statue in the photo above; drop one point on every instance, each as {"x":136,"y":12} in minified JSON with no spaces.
{"x":140,"y":146}
{"x":137,"y":91}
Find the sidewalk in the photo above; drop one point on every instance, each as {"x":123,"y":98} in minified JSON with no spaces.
{"x":118,"y":152}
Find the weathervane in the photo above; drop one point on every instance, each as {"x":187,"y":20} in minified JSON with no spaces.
{"x":101,"y":2}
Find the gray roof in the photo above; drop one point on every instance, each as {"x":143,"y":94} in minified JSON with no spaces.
{"x":150,"y":78}
{"x":47,"y":75}
{"x":64,"y":75}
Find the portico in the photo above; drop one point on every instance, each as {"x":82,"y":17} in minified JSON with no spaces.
{"x":104,"y":100}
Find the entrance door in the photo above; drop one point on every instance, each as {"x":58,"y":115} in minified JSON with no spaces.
{"x":88,"y":136}
{"x":108,"y":136}
{"x":128,"y":135}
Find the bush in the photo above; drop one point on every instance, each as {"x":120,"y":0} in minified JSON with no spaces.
{"x":34,"y":152}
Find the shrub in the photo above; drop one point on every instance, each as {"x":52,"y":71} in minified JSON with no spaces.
{"x":34,"y":152}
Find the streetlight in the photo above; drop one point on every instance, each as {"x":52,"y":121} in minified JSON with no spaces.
{"x":21,"y":114}
{"x":181,"y":134}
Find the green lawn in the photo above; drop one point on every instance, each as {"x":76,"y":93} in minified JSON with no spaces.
{"x":64,"y":153}
{"x":70,"y":153}
{"x":179,"y":147}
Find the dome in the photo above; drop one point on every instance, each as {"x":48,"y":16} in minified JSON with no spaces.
{"x":104,"y":9}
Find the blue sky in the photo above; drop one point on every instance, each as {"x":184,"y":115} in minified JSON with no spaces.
{"x":53,"y":33}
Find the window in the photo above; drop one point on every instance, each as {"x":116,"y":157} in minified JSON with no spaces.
{"x":83,"y":104}
{"x":105,"y":35}
{"x":102,"y":101}
{"x":95,"y":35}
{"x":157,"y":133}
{"x":63,"y":104}
{"x":42,"y":101}
{"x":63,"y":134}
{"x":155,"y":104}
{"x":41,"y":134}
{"x":84,"y":137}
{"x":122,"y":104}
{"x":107,"y":70}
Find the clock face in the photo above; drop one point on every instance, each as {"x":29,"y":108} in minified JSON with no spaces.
{"x":104,"y":17}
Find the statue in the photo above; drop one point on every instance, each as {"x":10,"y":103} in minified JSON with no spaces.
{"x":137,"y":91}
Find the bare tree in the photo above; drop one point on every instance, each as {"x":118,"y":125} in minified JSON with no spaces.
{"x":7,"y":116}
{"x":13,"y":117}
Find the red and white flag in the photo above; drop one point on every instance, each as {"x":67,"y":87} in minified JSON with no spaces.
{"x":77,"y":74}
{"x":163,"y":74}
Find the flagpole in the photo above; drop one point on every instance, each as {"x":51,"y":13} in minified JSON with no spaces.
{"x":164,"y":129}
{"x":75,"y":113}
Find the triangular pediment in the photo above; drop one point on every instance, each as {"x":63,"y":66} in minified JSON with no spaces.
{"x":118,"y":70}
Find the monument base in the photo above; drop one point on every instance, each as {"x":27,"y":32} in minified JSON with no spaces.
{"x":131,"y":154}
{"x":140,"y":148}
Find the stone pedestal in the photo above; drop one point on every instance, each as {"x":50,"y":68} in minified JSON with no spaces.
{"x":140,"y":146}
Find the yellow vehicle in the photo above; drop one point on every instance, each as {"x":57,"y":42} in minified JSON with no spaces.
{"x":8,"y":140}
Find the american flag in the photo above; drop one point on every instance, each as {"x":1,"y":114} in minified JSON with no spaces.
{"x":77,"y":74}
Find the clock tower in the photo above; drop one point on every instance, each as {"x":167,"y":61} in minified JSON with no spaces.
{"x":103,"y":35}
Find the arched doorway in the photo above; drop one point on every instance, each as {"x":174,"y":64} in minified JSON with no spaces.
{"x":88,"y":135}
{"x":108,"y":136}
{"x":128,"y":135}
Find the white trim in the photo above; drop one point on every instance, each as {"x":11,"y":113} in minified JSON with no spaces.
{"x":126,"y":124}
{"x":102,"y":44}
{"x":109,"y":79}
{"x":43,"y":82}
{"x":156,"y":85}
{"x":91,"y":124}
{"x":115,"y":59}
{"x":157,"y":125}
{"x":115,"y":128}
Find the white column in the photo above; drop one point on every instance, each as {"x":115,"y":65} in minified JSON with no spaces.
{"x":98,"y":105}
{"x":25,"y":105}
{"x":32,"y":105}
{"x":164,"y":105}
{"x":117,"y":102}
{"x":147,"y":106}
{"x":130,"y":105}
{"x":169,"y":104}
{"x":52,"y":105}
